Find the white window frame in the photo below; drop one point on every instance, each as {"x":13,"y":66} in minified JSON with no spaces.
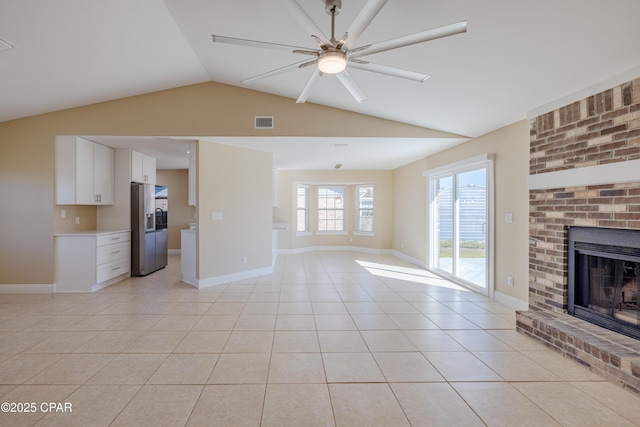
{"x":482,"y":161}
{"x":307,"y":230}
{"x":357,"y":231}
{"x":318,"y":209}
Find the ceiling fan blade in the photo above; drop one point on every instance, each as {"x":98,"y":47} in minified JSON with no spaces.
{"x":272,"y":72}
{"x":389,"y":71}
{"x":424,"y":36}
{"x":368,"y":12}
{"x":255,"y":43}
{"x":305,"y":20}
{"x":350,"y":85}
{"x":307,"y":88}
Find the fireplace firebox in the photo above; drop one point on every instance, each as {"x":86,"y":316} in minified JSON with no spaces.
{"x":604,"y":278}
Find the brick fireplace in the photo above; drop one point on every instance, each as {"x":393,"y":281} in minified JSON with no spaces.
{"x":584,"y":170}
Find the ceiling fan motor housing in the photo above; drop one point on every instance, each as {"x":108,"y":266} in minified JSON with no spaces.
{"x":332,"y":6}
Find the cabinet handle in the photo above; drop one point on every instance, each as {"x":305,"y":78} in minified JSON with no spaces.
{"x":114,"y":269}
{"x":115,"y":238}
{"x":115,"y":252}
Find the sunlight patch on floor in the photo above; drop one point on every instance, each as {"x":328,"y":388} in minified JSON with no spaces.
{"x":408,"y":274}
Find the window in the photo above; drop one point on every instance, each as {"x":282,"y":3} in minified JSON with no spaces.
{"x":461,"y":222}
{"x":364,"y":194}
{"x":303,"y":208}
{"x":330,"y":209}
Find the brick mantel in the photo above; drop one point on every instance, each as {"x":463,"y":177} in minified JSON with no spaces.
{"x":594,"y":142}
{"x":584,"y":170}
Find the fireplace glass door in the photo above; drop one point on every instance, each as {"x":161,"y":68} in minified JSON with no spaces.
{"x":609,"y":287}
{"x":604,"y":277}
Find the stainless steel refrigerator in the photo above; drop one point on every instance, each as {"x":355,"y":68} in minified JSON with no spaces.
{"x":148,"y":243}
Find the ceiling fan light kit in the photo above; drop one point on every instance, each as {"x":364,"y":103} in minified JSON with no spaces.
{"x":332,"y":61}
{"x":335,"y":56}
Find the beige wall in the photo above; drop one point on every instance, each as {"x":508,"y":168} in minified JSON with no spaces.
{"x":180,"y":213}
{"x":511,"y":147}
{"x":237,"y":183}
{"x":383,"y":208}
{"x":27,"y":152}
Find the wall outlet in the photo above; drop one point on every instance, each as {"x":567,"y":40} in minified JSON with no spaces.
{"x":508,"y":218}
{"x":244,"y":260}
{"x":63,"y":214}
{"x":509,"y":280}
{"x":77,"y":220}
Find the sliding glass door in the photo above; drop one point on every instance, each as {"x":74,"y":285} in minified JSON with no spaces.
{"x":459,"y":225}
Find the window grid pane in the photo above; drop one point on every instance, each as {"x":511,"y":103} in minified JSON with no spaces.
{"x":365,"y":208}
{"x":302,"y":220}
{"x":330,"y":209}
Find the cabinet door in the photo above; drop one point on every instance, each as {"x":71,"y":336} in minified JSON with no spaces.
{"x":137,"y":173}
{"x":103,"y":174}
{"x":85,"y":194}
{"x":149,"y":169}
{"x":143,"y":168}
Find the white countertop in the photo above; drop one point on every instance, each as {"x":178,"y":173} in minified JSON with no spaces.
{"x":90,"y":233}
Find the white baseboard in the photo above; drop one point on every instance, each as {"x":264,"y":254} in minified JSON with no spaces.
{"x":27,"y":289}
{"x":174,"y":252}
{"x":228,"y":278}
{"x":407,"y":258}
{"x":510,"y":301}
{"x":333,"y":248}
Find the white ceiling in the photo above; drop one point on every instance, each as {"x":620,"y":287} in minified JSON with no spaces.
{"x":516,"y":56}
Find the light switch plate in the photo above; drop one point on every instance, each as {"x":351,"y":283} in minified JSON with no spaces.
{"x":216,"y":216}
{"x":508,"y":218}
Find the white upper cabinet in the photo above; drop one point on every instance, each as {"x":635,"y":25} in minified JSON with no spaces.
{"x":103,"y":173}
{"x":84,"y":172}
{"x":143,"y":168}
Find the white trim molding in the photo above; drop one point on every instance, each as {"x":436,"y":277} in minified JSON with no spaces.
{"x":334,"y":248}
{"x":510,"y":301}
{"x":407,"y":258}
{"x":28,"y":289}
{"x":470,"y":162}
{"x":229,"y":278}
{"x":594,"y":89}
{"x":610,"y":173}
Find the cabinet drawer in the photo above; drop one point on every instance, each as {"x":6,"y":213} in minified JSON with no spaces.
{"x":108,"y":239}
{"x":112,"y":269}
{"x":110,"y":253}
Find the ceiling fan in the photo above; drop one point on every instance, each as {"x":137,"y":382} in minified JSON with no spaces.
{"x":334,"y":56}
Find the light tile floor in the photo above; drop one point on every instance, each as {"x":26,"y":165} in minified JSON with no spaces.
{"x":331,"y":338}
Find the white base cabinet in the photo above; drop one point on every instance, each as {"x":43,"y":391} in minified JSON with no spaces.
{"x":88,"y":261}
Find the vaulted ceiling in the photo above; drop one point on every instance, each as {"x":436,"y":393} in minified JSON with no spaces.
{"x":515,"y":56}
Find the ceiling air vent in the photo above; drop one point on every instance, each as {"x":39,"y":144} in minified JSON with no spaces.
{"x":263,"y":122}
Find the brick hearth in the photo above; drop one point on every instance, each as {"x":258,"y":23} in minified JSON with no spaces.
{"x":599,"y":130}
